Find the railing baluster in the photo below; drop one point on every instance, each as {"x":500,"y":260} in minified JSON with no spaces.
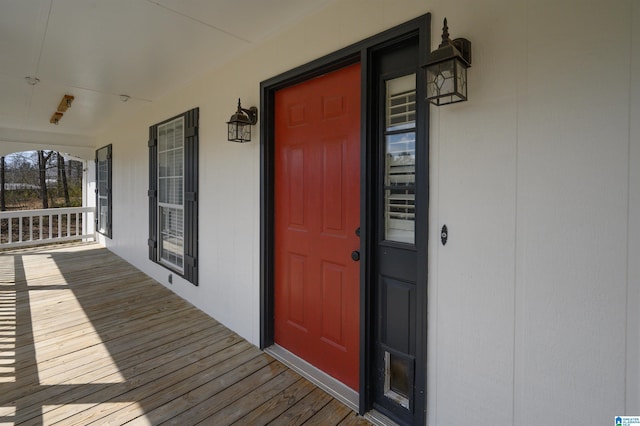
{"x":77,"y":216}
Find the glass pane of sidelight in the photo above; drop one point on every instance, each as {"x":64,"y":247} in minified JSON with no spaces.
{"x":401,"y":103}
{"x":400,"y":158}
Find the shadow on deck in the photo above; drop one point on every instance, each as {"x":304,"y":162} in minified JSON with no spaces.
{"x":85,"y":337}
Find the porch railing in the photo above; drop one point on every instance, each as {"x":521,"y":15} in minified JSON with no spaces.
{"x":33,"y":227}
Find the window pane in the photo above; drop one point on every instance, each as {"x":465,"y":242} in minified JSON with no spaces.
{"x":170,"y":136}
{"x":178,"y":161}
{"x":103,"y":214}
{"x":102,"y":176}
{"x":162,"y":163}
{"x":400,"y":215}
{"x":162,"y":190}
{"x":102,"y":154}
{"x":400,"y":159}
{"x":171,"y":235}
{"x":178,"y":190}
{"x":401,"y":103}
{"x":162,"y":138}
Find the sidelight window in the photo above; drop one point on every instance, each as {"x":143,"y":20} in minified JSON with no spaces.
{"x":400,"y":159}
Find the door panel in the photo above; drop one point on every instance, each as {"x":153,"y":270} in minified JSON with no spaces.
{"x":317,"y":210}
{"x":398,"y":312}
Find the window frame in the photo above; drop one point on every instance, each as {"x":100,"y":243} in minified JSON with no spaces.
{"x":164,"y":205}
{"x":107,"y":229}
{"x":189,"y":268}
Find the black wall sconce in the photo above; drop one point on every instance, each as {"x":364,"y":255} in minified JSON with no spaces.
{"x":240,"y":124}
{"x":447,"y":70}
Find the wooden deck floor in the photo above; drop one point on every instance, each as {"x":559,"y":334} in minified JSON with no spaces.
{"x":86,"y":338}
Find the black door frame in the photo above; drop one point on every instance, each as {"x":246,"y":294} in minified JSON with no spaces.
{"x":363,"y":53}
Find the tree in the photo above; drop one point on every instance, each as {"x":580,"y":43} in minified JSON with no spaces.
{"x":31,"y":174}
{"x":43,"y":159}
{"x":62,"y":178}
{"x":21,"y":168}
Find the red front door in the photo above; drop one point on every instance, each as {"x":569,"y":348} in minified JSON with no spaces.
{"x":317,"y":213}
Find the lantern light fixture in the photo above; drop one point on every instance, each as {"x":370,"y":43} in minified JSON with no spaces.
{"x":239,"y":125}
{"x":447,"y":70}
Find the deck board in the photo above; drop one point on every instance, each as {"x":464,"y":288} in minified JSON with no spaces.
{"x":85,"y":338}
{"x":278,"y":404}
{"x":304,"y":409}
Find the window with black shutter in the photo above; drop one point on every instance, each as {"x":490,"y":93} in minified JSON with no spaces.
{"x":103,"y":190}
{"x":173,"y":190}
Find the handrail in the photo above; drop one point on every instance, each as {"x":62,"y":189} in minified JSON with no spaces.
{"x":21,"y":228}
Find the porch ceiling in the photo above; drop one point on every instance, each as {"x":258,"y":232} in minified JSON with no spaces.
{"x":97,"y":50}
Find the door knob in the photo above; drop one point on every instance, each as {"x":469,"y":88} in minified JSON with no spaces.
{"x":355,"y":255}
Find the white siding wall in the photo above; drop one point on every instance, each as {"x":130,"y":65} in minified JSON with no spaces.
{"x":572,"y":195}
{"x":473,"y":291}
{"x":534,"y":302}
{"x":633,"y":251}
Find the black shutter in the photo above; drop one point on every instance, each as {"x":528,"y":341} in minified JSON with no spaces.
{"x":109,"y":186}
{"x":96,"y":191}
{"x":153,"y":193}
{"x":191,"y":196}
{"x":107,"y":226}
